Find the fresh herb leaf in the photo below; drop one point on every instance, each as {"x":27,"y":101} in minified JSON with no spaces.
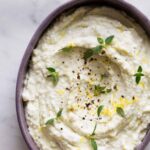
{"x":109,"y":40}
{"x":100,"y":89}
{"x":67,"y":49}
{"x":108,"y":90}
{"x":89,"y":53}
{"x":120,"y":112}
{"x":99,"y":110}
{"x":59,"y":113}
{"x":50,"y":69}
{"x":93,"y":144}
{"x":97,"y":49}
{"x":138,"y":75}
{"x":93,"y":133}
{"x":139,"y":69}
{"x":54,"y":76}
{"x":50,"y":122}
{"x":137,"y":79}
{"x":100,"y":40}
{"x":92,"y":140}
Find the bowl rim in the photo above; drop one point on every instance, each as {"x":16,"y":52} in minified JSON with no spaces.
{"x":131,"y":11}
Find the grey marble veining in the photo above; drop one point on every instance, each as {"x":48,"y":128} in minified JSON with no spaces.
{"x":18,"y":21}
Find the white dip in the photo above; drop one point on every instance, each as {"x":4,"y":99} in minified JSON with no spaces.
{"x":123,"y":102}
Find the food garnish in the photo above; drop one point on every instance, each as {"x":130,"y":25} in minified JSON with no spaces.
{"x":99,"y":110}
{"x":92,"y":140}
{"x":54,"y":76}
{"x":59,"y":113}
{"x":52,"y":120}
{"x":93,"y":144}
{"x":100,"y":90}
{"x":138,"y":75}
{"x":67,"y":48}
{"x":120,"y":112}
{"x":96,"y":50}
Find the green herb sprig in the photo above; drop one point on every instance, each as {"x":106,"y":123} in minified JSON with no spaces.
{"x":92,"y":140}
{"x":93,"y":144}
{"x":59,"y":113}
{"x":99,"y":110}
{"x":53,"y":75}
{"x":93,"y":133}
{"x":100,"y":90}
{"x":109,"y":40}
{"x":67,"y":48}
{"x":96,"y":50}
{"x":138,"y":75}
{"x":120,"y":112}
{"x":52,"y":120}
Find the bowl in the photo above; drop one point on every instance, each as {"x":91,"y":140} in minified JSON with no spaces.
{"x":50,"y":19}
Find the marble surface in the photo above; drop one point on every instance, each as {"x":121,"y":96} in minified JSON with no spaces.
{"x":18,"y":21}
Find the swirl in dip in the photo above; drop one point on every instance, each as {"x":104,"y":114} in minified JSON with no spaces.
{"x":88,"y":83}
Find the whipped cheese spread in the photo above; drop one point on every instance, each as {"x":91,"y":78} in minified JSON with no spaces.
{"x":88,"y":83}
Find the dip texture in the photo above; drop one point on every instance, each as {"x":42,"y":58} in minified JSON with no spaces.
{"x":79,"y":100}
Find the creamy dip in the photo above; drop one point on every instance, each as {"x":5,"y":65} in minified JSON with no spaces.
{"x":64,"y":116}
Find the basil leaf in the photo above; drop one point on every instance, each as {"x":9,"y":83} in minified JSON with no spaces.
{"x":100,"y":40}
{"x":50,"y":122}
{"x":59,"y":113}
{"x":93,"y":144}
{"x":99,"y":110}
{"x":109,"y":39}
{"x":120,"y":112}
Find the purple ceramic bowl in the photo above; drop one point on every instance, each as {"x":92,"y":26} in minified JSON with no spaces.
{"x":117,"y":4}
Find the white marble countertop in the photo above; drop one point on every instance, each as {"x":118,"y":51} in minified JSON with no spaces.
{"x":18,"y":21}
